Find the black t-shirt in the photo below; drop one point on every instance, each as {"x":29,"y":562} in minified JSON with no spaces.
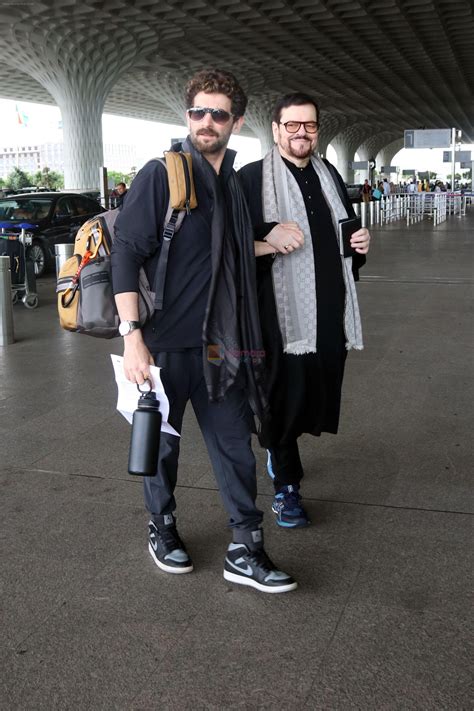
{"x":137,"y":243}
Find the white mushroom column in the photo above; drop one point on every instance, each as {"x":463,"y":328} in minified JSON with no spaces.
{"x":78,"y":58}
{"x":345,"y":145}
{"x":170,"y":89}
{"x":259,"y":119}
{"x":345,"y":150}
{"x":387,"y":152}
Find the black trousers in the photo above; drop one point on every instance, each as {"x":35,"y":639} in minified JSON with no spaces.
{"x":226,"y":428}
{"x":306,"y":397}
{"x":286,"y":464}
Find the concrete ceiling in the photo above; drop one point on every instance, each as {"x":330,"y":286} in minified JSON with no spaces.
{"x":377,"y":67}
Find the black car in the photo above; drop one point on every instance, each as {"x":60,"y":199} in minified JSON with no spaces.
{"x":55,"y":217}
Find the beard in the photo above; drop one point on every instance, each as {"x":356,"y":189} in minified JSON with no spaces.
{"x":205,"y":146}
{"x":299,"y":148}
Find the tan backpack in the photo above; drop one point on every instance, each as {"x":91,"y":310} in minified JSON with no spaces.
{"x":86,"y":302}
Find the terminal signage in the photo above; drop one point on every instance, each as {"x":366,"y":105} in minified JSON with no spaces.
{"x":459,"y":156}
{"x":389,"y":169}
{"x":428,"y":138}
{"x":409,"y":171}
{"x":359,"y":164}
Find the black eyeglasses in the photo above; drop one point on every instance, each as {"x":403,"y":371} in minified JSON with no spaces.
{"x":197,"y":113}
{"x":294,"y":126}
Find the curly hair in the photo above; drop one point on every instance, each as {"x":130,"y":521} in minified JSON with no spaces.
{"x":217,"y":81}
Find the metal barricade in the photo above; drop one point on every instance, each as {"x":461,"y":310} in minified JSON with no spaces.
{"x":412,"y":208}
{"x":371,"y":212}
{"x":6,"y":303}
{"x":62,"y":253}
{"x":377,"y":212}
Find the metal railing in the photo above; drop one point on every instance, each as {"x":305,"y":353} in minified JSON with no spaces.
{"x":412,"y":207}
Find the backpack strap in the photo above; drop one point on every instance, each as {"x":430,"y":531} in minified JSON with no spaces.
{"x":173,"y":221}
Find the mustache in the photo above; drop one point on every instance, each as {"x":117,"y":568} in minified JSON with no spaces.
{"x":207,"y":132}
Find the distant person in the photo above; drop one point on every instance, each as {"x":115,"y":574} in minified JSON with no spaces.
{"x":411,"y":187}
{"x":366,"y":191}
{"x":386,"y":187}
{"x":117,"y":195}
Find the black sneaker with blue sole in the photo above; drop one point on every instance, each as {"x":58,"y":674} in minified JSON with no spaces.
{"x":255,"y":569}
{"x":289,"y":509}
{"x":166,"y":547}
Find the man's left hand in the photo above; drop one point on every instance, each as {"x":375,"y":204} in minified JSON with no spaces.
{"x":360,"y":240}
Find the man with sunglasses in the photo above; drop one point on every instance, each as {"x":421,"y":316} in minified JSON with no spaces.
{"x":307,"y":298}
{"x":207,"y":337}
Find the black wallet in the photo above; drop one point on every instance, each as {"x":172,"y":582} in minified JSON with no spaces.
{"x":347,"y":228}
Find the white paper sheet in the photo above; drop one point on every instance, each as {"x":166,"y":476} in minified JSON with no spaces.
{"x":128,"y":394}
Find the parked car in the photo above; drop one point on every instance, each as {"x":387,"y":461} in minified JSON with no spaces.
{"x":55,"y":217}
{"x":93,"y":194}
{"x":31,"y":189}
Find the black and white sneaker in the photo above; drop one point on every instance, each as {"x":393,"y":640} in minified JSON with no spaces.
{"x":166,"y":547}
{"x":254,"y":568}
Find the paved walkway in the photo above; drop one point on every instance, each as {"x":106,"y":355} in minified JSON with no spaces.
{"x":380,"y":620}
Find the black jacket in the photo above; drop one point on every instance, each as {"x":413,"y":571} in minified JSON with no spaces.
{"x":210,"y":295}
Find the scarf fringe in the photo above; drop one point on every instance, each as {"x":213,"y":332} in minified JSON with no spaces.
{"x":298,"y":349}
{"x":354,"y":347}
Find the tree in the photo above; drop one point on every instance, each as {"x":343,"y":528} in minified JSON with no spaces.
{"x":119,"y":177}
{"x":50,"y":179}
{"x":18,"y":179}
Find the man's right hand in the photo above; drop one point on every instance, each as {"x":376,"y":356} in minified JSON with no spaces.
{"x":285,"y":237}
{"x":136,"y":358}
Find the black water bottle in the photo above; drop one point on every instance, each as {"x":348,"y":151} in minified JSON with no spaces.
{"x":145,"y":439}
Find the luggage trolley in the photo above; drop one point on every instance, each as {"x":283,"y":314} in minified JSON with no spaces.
{"x":22,"y":269}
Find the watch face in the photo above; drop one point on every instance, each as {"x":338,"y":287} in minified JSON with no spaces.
{"x":127,"y":327}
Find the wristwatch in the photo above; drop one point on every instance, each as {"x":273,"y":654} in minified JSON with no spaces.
{"x":127,"y":327}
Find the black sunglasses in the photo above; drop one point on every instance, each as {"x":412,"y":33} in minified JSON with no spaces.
{"x":197,"y":113}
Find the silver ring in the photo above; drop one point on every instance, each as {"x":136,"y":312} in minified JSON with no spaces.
{"x":285,"y":246}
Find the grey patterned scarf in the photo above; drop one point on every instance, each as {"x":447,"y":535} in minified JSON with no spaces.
{"x":294,"y":279}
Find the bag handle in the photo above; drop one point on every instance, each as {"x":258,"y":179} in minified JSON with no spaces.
{"x":67,"y":297}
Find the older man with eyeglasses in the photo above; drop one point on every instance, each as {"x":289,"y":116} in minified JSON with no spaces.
{"x":207,"y":337}
{"x":307,"y":298}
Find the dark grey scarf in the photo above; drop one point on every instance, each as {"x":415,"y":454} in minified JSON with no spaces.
{"x":232,"y":339}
